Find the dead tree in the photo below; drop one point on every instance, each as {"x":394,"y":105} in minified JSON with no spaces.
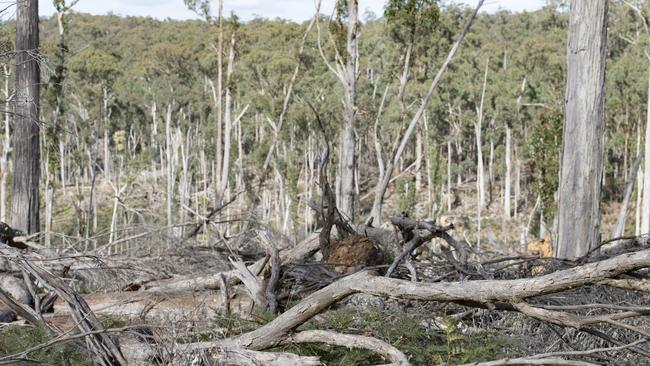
{"x":582,"y":155}
{"x":26,"y":143}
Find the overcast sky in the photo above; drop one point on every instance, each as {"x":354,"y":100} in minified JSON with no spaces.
{"x":297,"y":10}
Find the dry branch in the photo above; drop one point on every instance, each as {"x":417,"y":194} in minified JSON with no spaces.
{"x":388,"y":352}
{"x":485,"y":292}
{"x":301,"y":251}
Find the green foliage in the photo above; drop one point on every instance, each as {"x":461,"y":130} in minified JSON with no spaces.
{"x":15,"y":339}
{"x":409,"y":333}
{"x":406,"y":198}
{"x":408,"y":18}
{"x":545,"y":146}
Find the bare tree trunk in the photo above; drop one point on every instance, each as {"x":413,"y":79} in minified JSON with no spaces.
{"x":348,"y":138}
{"x":582,"y":158}
{"x":480,"y":174}
{"x":219,"y":106}
{"x":62,"y":155}
{"x":184,"y":187}
{"x":6,"y":147}
{"x":227,"y":132}
{"x":449,"y":190}
{"x":49,"y":198}
{"x":154,"y":129}
{"x":639,"y":187}
{"x":517,"y":188}
{"x":506,"y":194}
{"x":619,"y":229}
{"x":418,"y":160}
{"x":645,"y":211}
{"x":26,"y":150}
{"x":170,"y":166}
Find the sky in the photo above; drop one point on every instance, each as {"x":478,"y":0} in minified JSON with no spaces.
{"x":296,"y":10}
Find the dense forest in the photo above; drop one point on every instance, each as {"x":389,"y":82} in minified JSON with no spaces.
{"x":184,"y":149}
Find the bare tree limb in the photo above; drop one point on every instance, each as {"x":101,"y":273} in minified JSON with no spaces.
{"x":388,"y":352}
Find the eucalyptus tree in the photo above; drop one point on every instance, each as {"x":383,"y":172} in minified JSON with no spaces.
{"x":582,"y":155}
{"x":26,"y":143}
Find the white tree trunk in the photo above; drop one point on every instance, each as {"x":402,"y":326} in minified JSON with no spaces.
{"x":227,"y":132}
{"x":480,"y":174}
{"x":506,"y":193}
{"x":4,"y":157}
{"x":449,"y":190}
{"x":645,"y":211}
{"x":170,"y":166}
{"x":348,"y":138}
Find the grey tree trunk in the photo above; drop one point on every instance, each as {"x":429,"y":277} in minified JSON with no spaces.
{"x":26,"y":157}
{"x":619,"y":229}
{"x":227,"y":132}
{"x":170,"y":166}
{"x":645,"y":211}
{"x":219,"y":104}
{"x":348,"y":138}
{"x":6,"y":147}
{"x":582,"y":158}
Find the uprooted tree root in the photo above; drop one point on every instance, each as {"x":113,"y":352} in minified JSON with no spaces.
{"x":576,"y":302}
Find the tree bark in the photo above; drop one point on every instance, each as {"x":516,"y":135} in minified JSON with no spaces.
{"x":582,"y":158}
{"x":507,"y":189}
{"x":26,"y":146}
{"x":619,"y":229}
{"x":645,"y":212}
{"x":6,"y":147}
{"x":219,"y":106}
{"x":348,"y":138}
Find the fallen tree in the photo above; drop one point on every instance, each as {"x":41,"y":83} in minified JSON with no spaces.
{"x":625,"y":271}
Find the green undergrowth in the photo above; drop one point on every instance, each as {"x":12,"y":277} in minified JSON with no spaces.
{"x":422,"y":344}
{"x":14,"y":339}
{"x":17,"y":339}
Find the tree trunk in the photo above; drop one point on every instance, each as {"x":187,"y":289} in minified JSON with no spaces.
{"x":6,"y":146}
{"x":449,"y":190}
{"x":219,"y":106}
{"x":227,"y":132}
{"x":170,"y":166}
{"x":480,"y":174}
{"x":619,"y":229}
{"x":506,"y":194}
{"x":348,"y":138}
{"x":26,"y":156}
{"x":645,"y":211}
{"x":582,"y":158}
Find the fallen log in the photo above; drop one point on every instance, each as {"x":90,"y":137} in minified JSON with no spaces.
{"x":300,"y":252}
{"x":388,"y":352}
{"x":481,"y":291}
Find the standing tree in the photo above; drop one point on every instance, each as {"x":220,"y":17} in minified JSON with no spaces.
{"x":26,"y":157}
{"x":582,"y":157}
{"x":349,"y":142}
